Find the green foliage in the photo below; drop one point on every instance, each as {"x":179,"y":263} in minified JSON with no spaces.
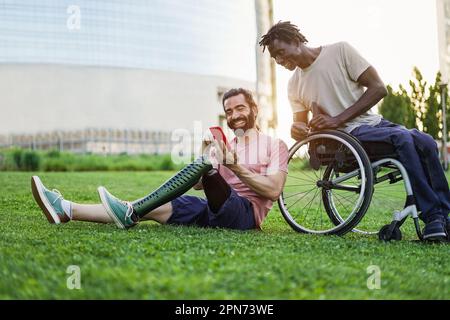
{"x":17,"y":157}
{"x":53,"y":154}
{"x":23,"y":160}
{"x":30,"y":161}
{"x":152,"y":261}
{"x":420,"y":107}
{"x":20,"y":160}
{"x":418,"y":94}
{"x":432,"y":116}
{"x":397,"y":107}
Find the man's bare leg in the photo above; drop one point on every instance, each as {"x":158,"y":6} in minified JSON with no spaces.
{"x":160,"y":214}
{"x":90,"y":213}
{"x":97,"y":213}
{"x":58,"y":210}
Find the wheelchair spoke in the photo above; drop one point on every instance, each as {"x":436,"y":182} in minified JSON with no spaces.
{"x":303,"y":179}
{"x":310,"y":203}
{"x":299,"y":199}
{"x":312,"y":167}
{"x":297,"y":185}
{"x":319,"y":208}
{"x":298,"y":193}
{"x":342,"y":204}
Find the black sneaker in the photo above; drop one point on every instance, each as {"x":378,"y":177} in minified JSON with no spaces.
{"x":435,"y":230}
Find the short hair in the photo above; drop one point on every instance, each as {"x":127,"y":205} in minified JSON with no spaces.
{"x":284,"y":31}
{"x":237,"y":91}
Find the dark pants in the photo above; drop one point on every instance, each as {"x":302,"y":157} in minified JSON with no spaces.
{"x":235,"y":213}
{"x":418,"y":153}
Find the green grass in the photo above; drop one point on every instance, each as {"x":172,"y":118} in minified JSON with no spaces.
{"x":167,"y":262}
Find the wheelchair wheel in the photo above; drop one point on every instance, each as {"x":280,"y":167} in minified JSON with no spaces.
{"x":327,"y":169}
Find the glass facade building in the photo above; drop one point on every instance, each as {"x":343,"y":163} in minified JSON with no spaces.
{"x":205,"y":37}
{"x":72,"y":71}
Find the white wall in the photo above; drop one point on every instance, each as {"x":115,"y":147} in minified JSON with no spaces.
{"x":37,"y":98}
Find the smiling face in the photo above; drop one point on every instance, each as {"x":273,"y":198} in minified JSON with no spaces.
{"x":239,"y":113}
{"x":285,"y":54}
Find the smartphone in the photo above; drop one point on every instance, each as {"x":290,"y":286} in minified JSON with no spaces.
{"x":219,"y":135}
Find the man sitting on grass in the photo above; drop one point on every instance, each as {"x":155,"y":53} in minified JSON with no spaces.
{"x":239,"y":189}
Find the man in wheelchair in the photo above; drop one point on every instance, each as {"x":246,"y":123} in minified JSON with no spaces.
{"x":340,"y":87}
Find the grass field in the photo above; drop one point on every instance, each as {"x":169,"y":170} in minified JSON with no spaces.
{"x":167,"y":262}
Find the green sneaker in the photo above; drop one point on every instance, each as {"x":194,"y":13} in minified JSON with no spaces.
{"x":120,"y":211}
{"x":49,"y":201}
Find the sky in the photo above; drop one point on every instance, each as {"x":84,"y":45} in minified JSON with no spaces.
{"x":393,"y":35}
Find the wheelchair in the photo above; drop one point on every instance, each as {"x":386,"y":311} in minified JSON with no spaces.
{"x":336,"y":184}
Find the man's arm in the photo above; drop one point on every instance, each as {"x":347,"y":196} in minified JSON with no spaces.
{"x":376,"y":90}
{"x":269,"y":187}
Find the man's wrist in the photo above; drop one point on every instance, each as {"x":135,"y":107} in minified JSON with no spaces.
{"x":340,"y":120}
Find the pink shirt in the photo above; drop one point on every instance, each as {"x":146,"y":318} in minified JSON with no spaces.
{"x":260,"y":154}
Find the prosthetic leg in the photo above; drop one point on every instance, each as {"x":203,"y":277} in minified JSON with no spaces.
{"x":217,"y":190}
{"x":172,"y":188}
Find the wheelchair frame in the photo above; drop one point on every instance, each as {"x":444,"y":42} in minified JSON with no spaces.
{"x":387,"y":232}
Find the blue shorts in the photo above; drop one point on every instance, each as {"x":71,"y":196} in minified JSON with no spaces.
{"x":235,"y":213}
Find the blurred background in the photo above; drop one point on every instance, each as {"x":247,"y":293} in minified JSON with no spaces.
{"x":114,"y":77}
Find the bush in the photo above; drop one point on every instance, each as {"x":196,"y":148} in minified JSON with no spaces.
{"x":167,"y":164}
{"x":54,"y":160}
{"x":17,"y":157}
{"x":30,"y":161}
{"x":53,"y":154}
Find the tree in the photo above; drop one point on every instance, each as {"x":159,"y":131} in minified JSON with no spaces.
{"x":421,"y":107}
{"x":418,"y":94}
{"x":432,"y":114}
{"x":397,"y":107}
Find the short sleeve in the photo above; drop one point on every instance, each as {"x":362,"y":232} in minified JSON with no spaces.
{"x":278,"y":157}
{"x":354,"y":62}
{"x":293,"y":96}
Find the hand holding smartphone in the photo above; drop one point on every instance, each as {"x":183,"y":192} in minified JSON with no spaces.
{"x":219,"y":135}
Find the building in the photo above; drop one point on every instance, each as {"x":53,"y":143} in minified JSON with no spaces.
{"x":73,"y":72}
{"x":443,"y":12}
{"x":443,"y":19}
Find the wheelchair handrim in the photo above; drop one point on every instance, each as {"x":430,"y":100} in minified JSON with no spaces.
{"x":360,"y":199}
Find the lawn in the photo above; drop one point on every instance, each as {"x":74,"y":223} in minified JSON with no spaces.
{"x":167,"y":262}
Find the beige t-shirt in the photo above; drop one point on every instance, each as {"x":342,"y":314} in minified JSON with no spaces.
{"x":331,"y":82}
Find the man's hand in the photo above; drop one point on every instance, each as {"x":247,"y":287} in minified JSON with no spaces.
{"x":299,"y":131}
{"x":323,"y":121}
{"x":224,"y":155}
{"x":207,"y":142}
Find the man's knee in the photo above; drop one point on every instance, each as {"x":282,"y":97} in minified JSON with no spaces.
{"x":402,"y":138}
{"x":424,"y":142}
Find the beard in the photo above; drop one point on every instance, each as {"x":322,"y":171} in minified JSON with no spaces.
{"x":248,"y":122}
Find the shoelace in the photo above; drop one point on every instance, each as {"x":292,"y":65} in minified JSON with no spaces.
{"x":59,"y":195}
{"x":129,"y":212}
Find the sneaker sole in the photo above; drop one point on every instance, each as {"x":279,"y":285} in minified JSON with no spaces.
{"x":440,"y":236}
{"x":41,"y":199}
{"x":101,"y":192}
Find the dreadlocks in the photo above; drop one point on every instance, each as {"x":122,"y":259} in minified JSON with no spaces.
{"x":283,"y":30}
